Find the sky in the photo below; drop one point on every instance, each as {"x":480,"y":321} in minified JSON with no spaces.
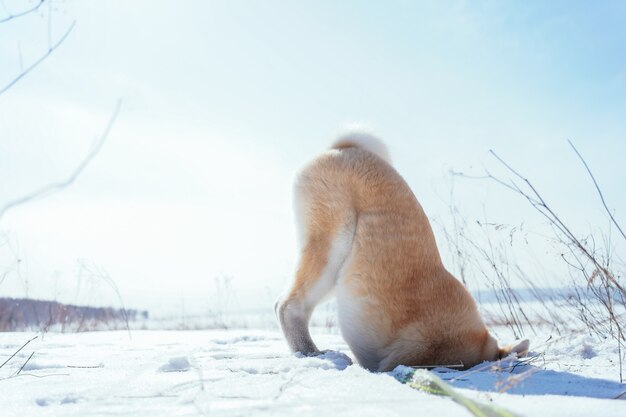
{"x":223,"y":101}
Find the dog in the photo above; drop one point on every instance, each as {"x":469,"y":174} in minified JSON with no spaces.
{"x":364,"y":237}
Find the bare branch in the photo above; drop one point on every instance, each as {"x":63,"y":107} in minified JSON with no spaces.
{"x":33,"y":9}
{"x":57,"y":186}
{"x":51,"y":49}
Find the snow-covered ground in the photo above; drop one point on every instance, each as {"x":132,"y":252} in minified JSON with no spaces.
{"x":248,"y":372}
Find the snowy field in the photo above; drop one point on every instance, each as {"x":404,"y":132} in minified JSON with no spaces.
{"x":252,"y":373}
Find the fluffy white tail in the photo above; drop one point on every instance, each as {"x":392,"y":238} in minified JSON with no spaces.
{"x":362,"y":139}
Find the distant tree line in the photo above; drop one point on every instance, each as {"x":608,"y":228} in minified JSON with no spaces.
{"x":29,"y":314}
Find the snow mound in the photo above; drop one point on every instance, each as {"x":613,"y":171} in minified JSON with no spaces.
{"x":176,"y":364}
{"x":330,"y":359}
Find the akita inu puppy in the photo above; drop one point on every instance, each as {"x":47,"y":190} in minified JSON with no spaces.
{"x":363,"y":234}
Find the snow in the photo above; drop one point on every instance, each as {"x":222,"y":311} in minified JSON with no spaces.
{"x":252,"y":373}
{"x":176,"y":364}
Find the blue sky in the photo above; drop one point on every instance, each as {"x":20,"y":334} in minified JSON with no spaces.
{"x":223,"y":101}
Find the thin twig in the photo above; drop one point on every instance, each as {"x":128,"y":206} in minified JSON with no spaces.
{"x":542,"y":207}
{"x":24,"y":364}
{"x":33,"y":375}
{"x":102,"y":274}
{"x":595,"y":183}
{"x":85,"y":366}
{"x":51,"y":49}
{"x":18,"y":351}
{"x":12,"y":16}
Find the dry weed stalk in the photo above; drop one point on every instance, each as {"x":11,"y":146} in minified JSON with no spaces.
{"x":601,"y":301}
{"x":99,"y":273}
{"x":483,"y":251}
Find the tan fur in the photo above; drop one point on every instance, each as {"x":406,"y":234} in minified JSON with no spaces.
{"x":365,"y":233}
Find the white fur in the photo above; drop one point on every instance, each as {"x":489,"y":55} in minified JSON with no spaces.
{"x":339,"y":251}
{"x":366,"y":140}
{"x":364,"y":342}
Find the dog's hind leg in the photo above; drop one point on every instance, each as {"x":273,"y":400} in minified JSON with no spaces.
{"x":326,"y":231}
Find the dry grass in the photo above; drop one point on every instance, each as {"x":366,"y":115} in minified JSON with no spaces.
{"x":595,"y":301}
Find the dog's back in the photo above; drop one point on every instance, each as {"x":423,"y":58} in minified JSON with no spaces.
{"x":364,"y":234}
